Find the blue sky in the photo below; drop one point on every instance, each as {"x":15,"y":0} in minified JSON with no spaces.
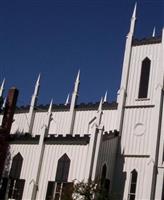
{"x":58,"y":37}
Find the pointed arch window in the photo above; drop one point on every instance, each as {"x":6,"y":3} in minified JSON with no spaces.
{"x":105,"y":183}
{"x":60,"y":188}
{"x":133,"y":184}
{"x":103,"y":174}
{"x":144,"y":78}
{"x":63,"y":169}
{"x":16,"y":166}
{"x":16,"y":185}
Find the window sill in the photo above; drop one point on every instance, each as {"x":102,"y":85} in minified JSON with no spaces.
{"x":142,"y":99}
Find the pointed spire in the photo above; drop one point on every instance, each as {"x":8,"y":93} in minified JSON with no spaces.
{"x":50,"y":106}
{"x":100,"y":105}
{"x":134,"y":11}
{"x":4,"y":103}
{"x":77,"y":82}
{"x":33,"y":104}
{"x":67,"y":100}
{"x":105,"y":97}
{"x":154,"y":30}
{"x":37,"y":85}
{"x":73,"y":104}
{"x":2,"y":87}
{"x":133,"y":19}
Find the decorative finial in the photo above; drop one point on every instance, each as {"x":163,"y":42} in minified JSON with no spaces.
{"x":77,"y":82}
{"x":38,"y":80}
{"x":105,"y":97}
{"x":4,"y":103}
{"x":100,"y":105}
{"x":2,"y":87}
{"x":153,"y":34}
{"x":67,"y":100}
{"x":78,"y":76}
{"x":134,"y":11}
{"x":50,"y":106}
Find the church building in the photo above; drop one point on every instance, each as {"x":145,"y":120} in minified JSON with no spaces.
{"x":120,"y":144}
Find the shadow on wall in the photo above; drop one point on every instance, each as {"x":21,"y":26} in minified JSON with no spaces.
{"x":119,"y":176}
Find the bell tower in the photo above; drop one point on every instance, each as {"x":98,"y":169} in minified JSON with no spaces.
{"x":140,"y":108}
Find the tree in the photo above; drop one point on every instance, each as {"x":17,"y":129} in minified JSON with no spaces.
{"x":91,"y":190}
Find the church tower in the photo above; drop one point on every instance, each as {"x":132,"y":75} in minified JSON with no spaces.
{"x":140,"y":116}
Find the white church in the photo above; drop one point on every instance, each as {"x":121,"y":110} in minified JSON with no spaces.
{"x":121,"y":143}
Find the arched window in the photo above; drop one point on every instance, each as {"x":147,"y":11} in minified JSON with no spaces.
{"x":16,"y":166}
{"x":103,"y":173}
{"x":16,"y":185}
{"x":133,"y":184}
{"x":60,"y":188}
{"x":62,"y":169}
{"x":144,"y":78}
{"x":105,"y":183}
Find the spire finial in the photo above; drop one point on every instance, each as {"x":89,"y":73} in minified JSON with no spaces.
{"x":105,"y":97}
{"x":154,"y":30}
{"x":77,"y":82}
{"x":78,"y":76}
{"x":67,"y":100}
{"x":2,"y":87}
{"x":4,"y":103}
{"x":37,"y":85}
{"x":133,"y":19}
{"x":38,"y":80}
{"x":134,"y":11}
{"x":100,"y":105}
{"x":50,"y":106}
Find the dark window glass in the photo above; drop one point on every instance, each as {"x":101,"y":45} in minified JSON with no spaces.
{"x":50,"y":190}
{"x":133,"y":184}
{"x":16,"y":166}
{"x":144,"y":79}
{"x":63,"y":169}
{"x":103,"y":174}
{"x":3,"y":187}
{"x":16,"y":187}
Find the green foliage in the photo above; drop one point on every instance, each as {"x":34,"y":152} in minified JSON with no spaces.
{"x":90,"y":190}
{"x":84,"y":191}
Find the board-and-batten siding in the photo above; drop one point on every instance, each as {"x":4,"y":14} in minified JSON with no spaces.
{"x":20,"y":123}
{"x":77,"y":155}
{"x":139,"y":53}
{"x":142,"y":166}
{"x":137,"y":140}
{"x":28,"y":172}
{"x":60,"y":122}
{"x":107,"y":155}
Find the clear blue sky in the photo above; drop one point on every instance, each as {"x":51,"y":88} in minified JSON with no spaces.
{"x":58,"y":37}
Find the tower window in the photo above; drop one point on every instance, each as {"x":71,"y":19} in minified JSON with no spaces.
{"x":144,"y":79}
{"x":133,"y":184}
